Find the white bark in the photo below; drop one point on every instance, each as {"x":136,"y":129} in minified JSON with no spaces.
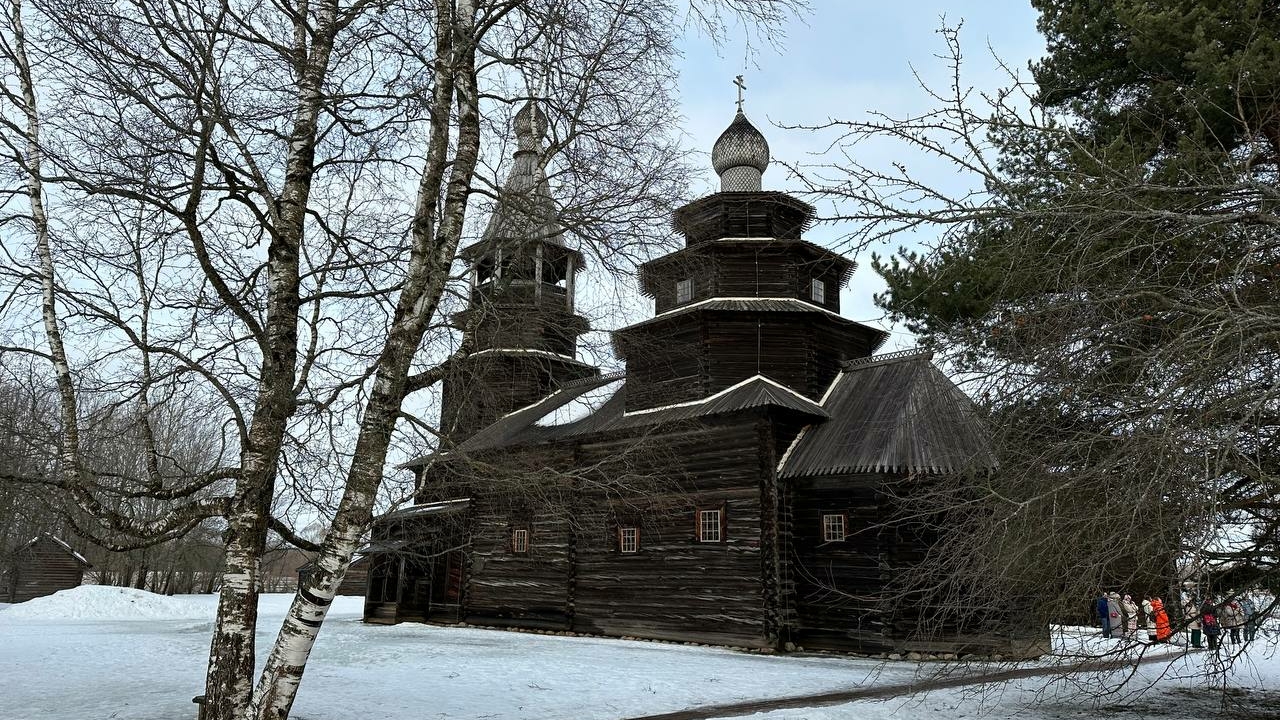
{"x":428,"y":272}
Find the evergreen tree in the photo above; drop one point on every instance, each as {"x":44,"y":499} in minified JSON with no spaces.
{"x":1111,"y":293}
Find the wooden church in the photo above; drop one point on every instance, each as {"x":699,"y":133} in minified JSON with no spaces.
{"x":735,"y":485}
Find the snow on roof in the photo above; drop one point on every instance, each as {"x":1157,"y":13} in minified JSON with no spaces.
{"x":581,"y":406}
{"x":79,"y":558}
{"x":425,"y":509}
{"x":67,"y":547}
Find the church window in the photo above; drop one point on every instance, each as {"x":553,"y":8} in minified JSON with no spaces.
{"x":833,"y":528}
{"x":710,"y":527}
{"x":520,"y":540}
{"x":628,"y":539}
{"x":684,"y":291}
{"x":818,"y":291}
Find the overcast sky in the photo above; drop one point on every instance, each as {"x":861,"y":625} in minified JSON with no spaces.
{"x":848,"y":57}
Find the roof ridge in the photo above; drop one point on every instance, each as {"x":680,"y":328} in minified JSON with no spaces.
{"x":603,"y":379}
{"x":771,"y":384}
{"x":884,"y":358}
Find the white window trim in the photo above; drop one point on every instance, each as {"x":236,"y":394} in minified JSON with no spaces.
{"x":818,"y":291}
{"x":520,"y":540}
{"x":684,"y":290}
{"x":703,"y":517}
{"x":832,"y":522}
{"x":633,"y":546}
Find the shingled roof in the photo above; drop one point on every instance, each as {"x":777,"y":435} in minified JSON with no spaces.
{"x":892,"y":413}
{"x":529,"y":426}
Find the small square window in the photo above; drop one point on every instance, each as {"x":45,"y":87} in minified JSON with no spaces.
{"x":684,"y":291}
{"x":520,"y":540}
{"x":710,"y":523}
{"x":818,"y":291}
{"x":833,"y":528}
{"x":628,"y":540}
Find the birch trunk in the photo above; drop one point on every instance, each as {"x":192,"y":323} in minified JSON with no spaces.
{"x":431,"y":258}
{"x":69,"y":452}
{"x":229,"y":679}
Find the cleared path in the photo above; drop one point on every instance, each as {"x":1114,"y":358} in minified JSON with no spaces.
{"x":880,"y":692}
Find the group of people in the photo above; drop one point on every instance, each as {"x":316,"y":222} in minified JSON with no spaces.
{"x":1208,"y":620}
{"x":1238,"y":618}
{"x":1121,"y":617}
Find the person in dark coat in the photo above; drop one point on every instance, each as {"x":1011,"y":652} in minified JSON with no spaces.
{"x":1104,"y":614}
{"x":1115,"y":613}
{"x":1209,"y":619}
{"x":1251,"y":618}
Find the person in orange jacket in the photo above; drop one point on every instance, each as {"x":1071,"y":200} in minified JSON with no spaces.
{"x":1163,"y":630}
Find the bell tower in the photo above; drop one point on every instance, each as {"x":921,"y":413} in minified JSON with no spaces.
{"x":520,"y":314}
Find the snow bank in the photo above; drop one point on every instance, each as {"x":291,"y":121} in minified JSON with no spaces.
{"x":102,"y":602}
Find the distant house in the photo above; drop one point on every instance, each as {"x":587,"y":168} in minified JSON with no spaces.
{"x":353,"y":583}
{"x":280,"y":569}
{"x":43,"y":566}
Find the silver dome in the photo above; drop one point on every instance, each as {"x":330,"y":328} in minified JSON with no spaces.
{"x":531,"y":127}
{"x":740,"y":156}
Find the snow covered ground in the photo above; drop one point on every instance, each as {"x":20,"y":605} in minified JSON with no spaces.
{"x":95,"y":653}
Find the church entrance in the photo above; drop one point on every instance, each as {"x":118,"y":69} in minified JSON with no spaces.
{"x":417,"y":570}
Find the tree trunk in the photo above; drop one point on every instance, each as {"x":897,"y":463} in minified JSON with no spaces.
{"x":428,"y":272}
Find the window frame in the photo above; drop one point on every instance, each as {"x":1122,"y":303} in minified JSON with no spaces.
{"x":818,"y":290}
{"x":513,"y":541}
{"x":686,"y":285}
{"x":722,"y":528}
{"x":635,"y":540}
{"x":844,"y":526}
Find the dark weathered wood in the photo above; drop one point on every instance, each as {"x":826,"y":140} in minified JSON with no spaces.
{"x":747,"y":268}
{"x":487,"y":386}
{"x":743,"y":398}
{"x":743,"y":214}
{"x":41,"y":567}
{"x":676,"y":587}
{"x":708,"y":350}
{"x":355,"y":582}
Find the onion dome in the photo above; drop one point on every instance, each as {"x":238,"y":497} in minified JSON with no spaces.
{"x":740,"y":156}
{"x":525,"y":212}
{"x":531,"y":127}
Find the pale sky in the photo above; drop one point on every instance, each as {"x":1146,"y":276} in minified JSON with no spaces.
{"x":848,"y":57}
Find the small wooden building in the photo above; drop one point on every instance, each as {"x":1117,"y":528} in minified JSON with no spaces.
{"x":353,"y":583}
{"x":737,"y":484}
{"x":42,"y":566}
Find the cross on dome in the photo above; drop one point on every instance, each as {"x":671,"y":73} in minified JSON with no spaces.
{"x":741,"y":154}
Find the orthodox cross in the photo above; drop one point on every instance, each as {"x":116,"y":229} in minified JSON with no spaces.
{"x":741,"y":87}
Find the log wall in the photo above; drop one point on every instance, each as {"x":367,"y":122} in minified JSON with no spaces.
{"x":676,"y":587}
{"x":486,"y":387}
{"x":838,"y":586}
{"x":666,"y":366}
{"x":800,"y":350}
{"x":528,"y":589}
{"x":860,"y":594}
{"x":40,"y":569}
{"x":754,"y":270}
